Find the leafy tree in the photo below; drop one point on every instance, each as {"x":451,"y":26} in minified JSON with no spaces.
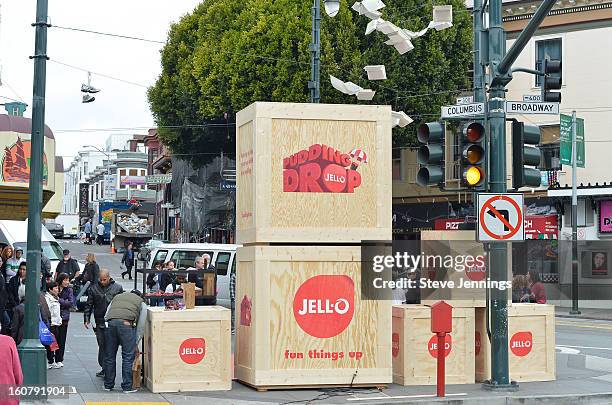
{"x":227,"y":54}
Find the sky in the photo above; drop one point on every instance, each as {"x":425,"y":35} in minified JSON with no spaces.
{"x":119,"y":104}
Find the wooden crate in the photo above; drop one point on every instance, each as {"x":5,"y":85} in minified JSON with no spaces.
{"x":414,"y":361}
{"x":188,"y":350}
{"x":531,"y":338}
{"x":280,"y":346}
{"x":456,"y":243}
{"x":268,"y":133}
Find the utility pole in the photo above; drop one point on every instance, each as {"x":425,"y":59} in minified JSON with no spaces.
{"x":315,"y":49}
{"x":31,"y":352}
{"x":574,"y":310}
{"x":478,"y":85}
{"x":500,"y":64}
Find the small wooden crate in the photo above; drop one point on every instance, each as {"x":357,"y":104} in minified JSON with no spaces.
{"x":268,"y":211}
{"x":456,"y":243}
{"x":280,"y":346}
{"x":414,"y":358}
{"x":189,"y":294}
{"x":531,"y":338}
{"x":188,"y":350}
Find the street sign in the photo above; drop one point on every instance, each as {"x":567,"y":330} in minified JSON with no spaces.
{"x":500,"y":217}
{"x":465,"y":100}
{"x":159,"y":178}
{"x":110,"y":186}
{"x":523,"y":107}
{"x":462,"y":110}
{"x":537,"y":98}
{"x":565,"y":130}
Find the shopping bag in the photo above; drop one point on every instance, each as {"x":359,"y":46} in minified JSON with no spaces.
{"x":137,"y":370}
{"x":53,"y":346}
{"x":45,"y":335}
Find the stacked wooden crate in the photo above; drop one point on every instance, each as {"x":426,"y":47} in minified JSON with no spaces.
{"x":313,"y":181}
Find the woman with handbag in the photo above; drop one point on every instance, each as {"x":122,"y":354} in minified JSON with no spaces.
{"x":55,"y":320}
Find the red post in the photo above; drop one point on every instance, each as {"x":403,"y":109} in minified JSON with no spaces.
{"x":441,"y":364}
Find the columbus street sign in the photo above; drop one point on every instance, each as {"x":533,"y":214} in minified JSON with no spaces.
{"x":462,"y":110}
{"x":523,"y":107}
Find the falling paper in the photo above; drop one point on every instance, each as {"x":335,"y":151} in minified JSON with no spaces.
{"x":376,"y":72}
{"x":338,"y":84}
{"x":351,"y":89}
{"x":372,"y":5}
{"x":366,"y":94}
{"x":362,"y":10}
{"x":403,"y":47}
{"x":443,"y":14}
{"x":400,"y":119}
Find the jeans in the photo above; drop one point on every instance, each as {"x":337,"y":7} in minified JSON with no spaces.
{"x":101,"y":338}
{"x":119,"y":332}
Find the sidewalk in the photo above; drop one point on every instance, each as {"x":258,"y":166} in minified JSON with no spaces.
{"x":585,"y":313}
{"x":575,"y":384}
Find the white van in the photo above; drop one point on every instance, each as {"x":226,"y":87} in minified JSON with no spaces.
{"x":183,"y":255}
{"x":15,"y":234}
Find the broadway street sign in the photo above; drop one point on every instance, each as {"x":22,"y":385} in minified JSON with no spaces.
{"x":523,"y":107}
{"x":463,"y":110}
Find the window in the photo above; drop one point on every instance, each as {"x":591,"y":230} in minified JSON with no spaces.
{"x":85,"y":167}
{"x":222,"y":263}
{"x":121,"y":175}
{"x":546,"y":48}
{"x":397,"y":164}
{"x":102,"y":189}
{"x":584,"y":213}
{"x":160,"y":256}
{"x":186,"y":258}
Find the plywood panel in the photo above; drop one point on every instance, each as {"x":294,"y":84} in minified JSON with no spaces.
{"x":323,"y":345}
{"x":531,"y":341}
{"x":188,"y":350}
{"x":414,"y":361}
{"x":325,"y":212}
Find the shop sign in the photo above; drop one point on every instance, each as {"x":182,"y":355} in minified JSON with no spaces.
{"x":324,"y":305}
{"x":154,"y":179}
{"x":193,"y":350}
{"x":83,"y":199}
{"x":605,"y":216}
{"x":432,"y":346}
{"x":541,"y":227}
{"x":133,"y":180}
{"x":395,"y":344}
{"x":323,"y":169}
{"x":521,"y":343}
{"x":448,"y":224}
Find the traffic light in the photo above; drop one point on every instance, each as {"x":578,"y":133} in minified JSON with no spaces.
{"x":431,"y":154}
{"x":551,"y":83}
{"x":523,"y":136}
{"x":473,"y":154}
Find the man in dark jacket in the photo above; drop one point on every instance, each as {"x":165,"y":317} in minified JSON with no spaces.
{"x":99,"y":296}
{"x":203,"y":263}
{"x":68,"y":265}
{"x":14,"y":286}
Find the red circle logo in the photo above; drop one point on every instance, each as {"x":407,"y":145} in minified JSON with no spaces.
{"x":192,"y":350}
{"x":334,"y":178}
{"x":395,"y":344}
{"x":521,"y":343}
{"x":476,"y":273}
{"x":477,"y":343}
{"x":432,"y":346}
{"x":323,"y":306}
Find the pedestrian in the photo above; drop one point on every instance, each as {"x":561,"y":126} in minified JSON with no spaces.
{"x":66,"y":300}
{"x":45,"y":271}
{"x":16,"y":288}
{"x":51,"y":297}
{"x":68,"y":265}
{"x":232,"y":287}
{"x":128,"y":260}
{"x":100,"y":232}
{"x":10,"y":372}
{"x":538,"y":292}
{"x":87,"y":231}
{"x":13,"y":264}
{"x":153,"y":279}
{"x":203,"y":263}
{"x":91,"y":270}
{"x":7,"y":269}
{"x":17,"y":322}
{"x":520,"y":291}
{"x":175,"y":285}
{"x":125,"y":318}
{"x":4,"y":317}
{"x":99,"y":296}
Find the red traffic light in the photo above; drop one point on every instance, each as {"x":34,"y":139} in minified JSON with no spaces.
{"x":474,"y":132}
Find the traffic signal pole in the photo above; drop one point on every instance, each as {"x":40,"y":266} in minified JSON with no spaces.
{"x":315,"y":49}
{"x":500,"y":63}
{"x":31,"y":352}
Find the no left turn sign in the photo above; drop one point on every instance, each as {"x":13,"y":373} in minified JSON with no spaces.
{"x":500,"y":217}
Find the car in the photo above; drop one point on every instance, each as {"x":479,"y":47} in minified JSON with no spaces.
{"x":57,"y":230}
{"x":15,"y":234}
{"x":183,"y":255}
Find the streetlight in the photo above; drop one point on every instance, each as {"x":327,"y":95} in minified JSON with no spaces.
{"x":314,"y":84}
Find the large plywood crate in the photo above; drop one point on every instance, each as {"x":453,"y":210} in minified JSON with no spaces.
{"x":456,"y":243}
{"x":278,"y":141}
{"x":340,"y":340}
{"x":531,"y":341}
{"x":188,"y":350}
{"x":414,"y":346}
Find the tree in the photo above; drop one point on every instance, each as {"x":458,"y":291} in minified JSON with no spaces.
{"x":227,"y":54}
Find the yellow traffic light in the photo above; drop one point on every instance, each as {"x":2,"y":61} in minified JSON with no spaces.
{"x":473,"y":176}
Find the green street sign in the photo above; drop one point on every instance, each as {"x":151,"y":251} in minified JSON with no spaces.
{"x":565,"y":129}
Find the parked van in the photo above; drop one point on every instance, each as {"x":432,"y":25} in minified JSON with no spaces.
{"x":15,"y":234}
{"x":184,"y":254}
